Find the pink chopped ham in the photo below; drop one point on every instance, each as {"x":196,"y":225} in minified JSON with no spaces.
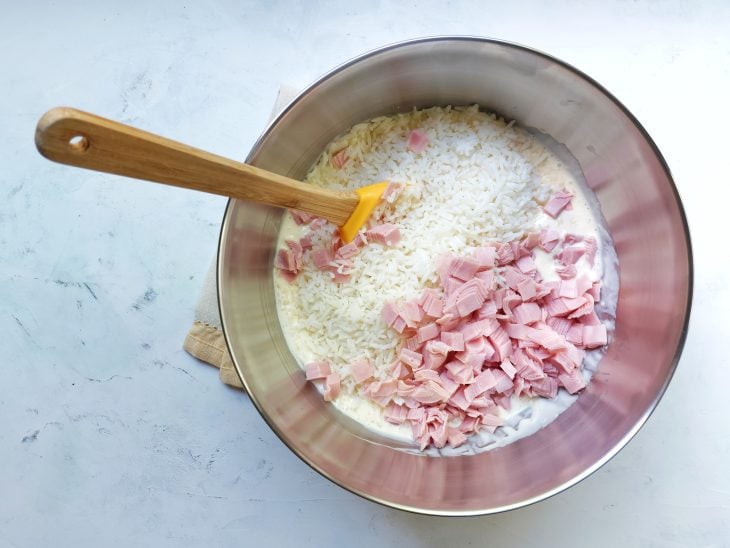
{"x":428,"y":332}
{"x":453,"y":339}
{"x":594,"y":336}
{"x":317,"y":370}
{"x":549,"y":238}
{"x":591,"y":246}
{"x":322,"y":258}
{"x":455,"y":437}
{"x":432,"y":303}
{"x":508,"y":368}
{"x":569,"y":288}
{"x":460,"y":372}
{"x":391,"y":192}
{"x":395,"y":414}
{"x":331,"y":387}
{"x":500,"y":340}
{"x":526,"y":264}
{"x":430,"y":392}
{"x":573,"y":381}
{"x":531,"y":240}
{"x":563,"y":306}
{"x":557,"y":203}
{"x":527,"y":313}
{"x":301,"y":217}
{"x":585,"y":308}
{"x":527,"y":289}
{"x":547,"y":387}
{"x":383,"y":389}
{"x":386,"y":234}
{"x":463,"y":268}
{"x":347,"y":251}
{"x":389,"y":313}
{"x":505,"y":255}
{"x":575,"y":334}
{"x":468,"y":301}
{"x":412,"y":313}
{"x":566,"y":271}
{"x":435,"y":354}
{"x":595,"y":291}
{"x":487,"y":310}
{"x":361,"y":370}
{"x":339,"y":158}
{"x":417,"y":141}
{"x":486,"y":257}
{"x":571,"y":254}
{"x":306,"y":241}
{"x":410,"y":358}
{"x":559,"y":325}
{"x":492,"y":329}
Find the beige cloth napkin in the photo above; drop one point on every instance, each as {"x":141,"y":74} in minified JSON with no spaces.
{"x":205,"y":339}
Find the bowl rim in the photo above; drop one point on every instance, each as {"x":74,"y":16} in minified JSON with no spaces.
{"x":641,"y":421}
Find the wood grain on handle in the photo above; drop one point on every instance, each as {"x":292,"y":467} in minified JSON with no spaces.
{"x":77,"y":138}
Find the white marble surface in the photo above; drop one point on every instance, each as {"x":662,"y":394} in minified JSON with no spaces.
{"x":112,"y":436}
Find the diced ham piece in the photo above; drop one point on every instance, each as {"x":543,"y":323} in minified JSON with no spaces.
{"x":430,"y":392}
{"x":501,"y":342}
{"x":527,"y":313}
{"x":339,"y":158}
{"x":386,"y":234}
{"x":549,"y":238}
{"x":317,"y":370}
{"x":547,"y":387}
{"x":391,"y":192}
{"x":435,"y":354}
{"x":389,"y":313}
{"x":453,"y":339}
{"x":361,"y":370}
{"x":347,"y":251}
{"x":594,"y":336}
{"x":395,"y":414}
{"x":417,"y":141}
{"x":455,"y":437}
{"x":563,"y":306}
{"x":569,"y":288}
{"x":322,"y":257}
{"x":559,"y":325}
{"x":432,"y":303}
{"x":591,"y":246}
{"x":526,"y":264}
{"x":301,"y":217}
{"x":505,"y":255}
{"x":486,"y":257}
{"x":566,"y":271}
{"x":575,"y":334}
{"x":508,"y":368}
{"x":573,"y":381}
{"x":571,"y":254}
{"x":331,"y":387}
{"x":413,"y":359}
{"x":557,"y":203}
{"x":463,"y":268}
{"x":585,"y":308}
{"x":428,"y":332}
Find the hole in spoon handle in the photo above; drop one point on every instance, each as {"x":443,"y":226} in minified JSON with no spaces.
{"x":78,"y":143}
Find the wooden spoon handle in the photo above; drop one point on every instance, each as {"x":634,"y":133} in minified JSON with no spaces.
{"x":77,"y":138}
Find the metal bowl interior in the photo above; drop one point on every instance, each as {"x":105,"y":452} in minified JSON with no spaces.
{"x":644,"y":215}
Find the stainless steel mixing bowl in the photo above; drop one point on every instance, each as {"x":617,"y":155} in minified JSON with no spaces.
{"x":641,"y":206}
